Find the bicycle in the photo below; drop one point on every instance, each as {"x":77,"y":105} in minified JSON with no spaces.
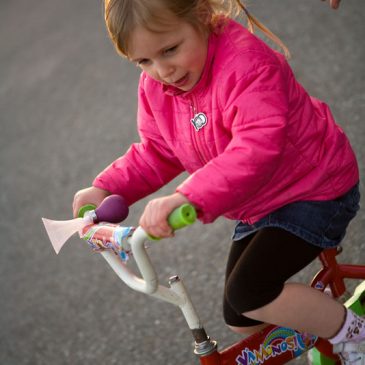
{"x":273,"y":345}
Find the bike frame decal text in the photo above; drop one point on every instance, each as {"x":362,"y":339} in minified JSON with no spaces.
{"x":277,"y":342}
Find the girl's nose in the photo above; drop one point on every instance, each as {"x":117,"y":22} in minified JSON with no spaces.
{"x":164,"y":70}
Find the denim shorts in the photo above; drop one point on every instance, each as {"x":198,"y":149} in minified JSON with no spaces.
{"x":321,"y":223}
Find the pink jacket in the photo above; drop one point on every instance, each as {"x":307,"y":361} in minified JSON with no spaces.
{"x":250,"y":136}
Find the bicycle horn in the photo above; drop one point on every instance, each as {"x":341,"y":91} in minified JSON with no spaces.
{"x":113,"y":209}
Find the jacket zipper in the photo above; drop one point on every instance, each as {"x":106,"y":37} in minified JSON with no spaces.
{"x":197,"y":144}
{"x":194,"y":133}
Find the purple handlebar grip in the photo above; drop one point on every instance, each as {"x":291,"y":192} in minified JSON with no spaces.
{"x":113,"y":209}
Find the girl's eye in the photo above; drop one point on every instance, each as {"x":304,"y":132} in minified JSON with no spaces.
{"x":166,"y":52}
{"x":170,"y":50}
{"x":142,"y":62}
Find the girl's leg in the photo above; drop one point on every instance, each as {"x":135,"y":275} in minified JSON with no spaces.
{"x":235,"y":320}
{"x":304,"y":309}
{"x":256,"y":286}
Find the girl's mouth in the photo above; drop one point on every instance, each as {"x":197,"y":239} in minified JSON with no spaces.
{"x":182,"y":81}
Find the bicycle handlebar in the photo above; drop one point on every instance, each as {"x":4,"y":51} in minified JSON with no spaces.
{"x":179,"y":218}
{"x":149,"y":282}
{"x":176,"y":293}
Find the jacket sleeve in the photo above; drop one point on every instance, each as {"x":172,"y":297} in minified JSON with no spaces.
{"x":146,"y":166}
{"x":257,"y":109}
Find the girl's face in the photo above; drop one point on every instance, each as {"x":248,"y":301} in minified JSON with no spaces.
{"x":174,"y":56}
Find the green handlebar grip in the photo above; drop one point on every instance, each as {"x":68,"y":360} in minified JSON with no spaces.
{"x":84,"y":209}
{"x":180,"y":217}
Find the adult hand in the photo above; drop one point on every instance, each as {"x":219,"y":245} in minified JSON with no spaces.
{"x":335,"y":4}
{"x":154,"y":217}
{"x":91,"y":195}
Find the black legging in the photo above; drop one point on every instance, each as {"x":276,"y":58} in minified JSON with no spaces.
{"x":257,"y":268}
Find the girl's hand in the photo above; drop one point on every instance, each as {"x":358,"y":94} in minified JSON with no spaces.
{"x":154,"y":217}
{"x":91,"y":195}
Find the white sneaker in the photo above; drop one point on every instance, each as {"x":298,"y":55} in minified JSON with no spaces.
{"x":351,"y":353}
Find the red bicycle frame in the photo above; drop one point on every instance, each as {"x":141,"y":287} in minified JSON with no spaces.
{"x":277,"y":345}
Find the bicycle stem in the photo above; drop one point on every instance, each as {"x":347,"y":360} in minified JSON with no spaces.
{"x":203,"y":344}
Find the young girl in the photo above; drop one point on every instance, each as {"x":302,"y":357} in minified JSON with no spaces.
{"x":217,"y":102}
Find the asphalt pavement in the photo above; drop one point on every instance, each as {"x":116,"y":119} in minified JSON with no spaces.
{"x":67,"y":109}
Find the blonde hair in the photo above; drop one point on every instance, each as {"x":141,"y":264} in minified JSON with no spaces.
{"x":122,"y":16}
